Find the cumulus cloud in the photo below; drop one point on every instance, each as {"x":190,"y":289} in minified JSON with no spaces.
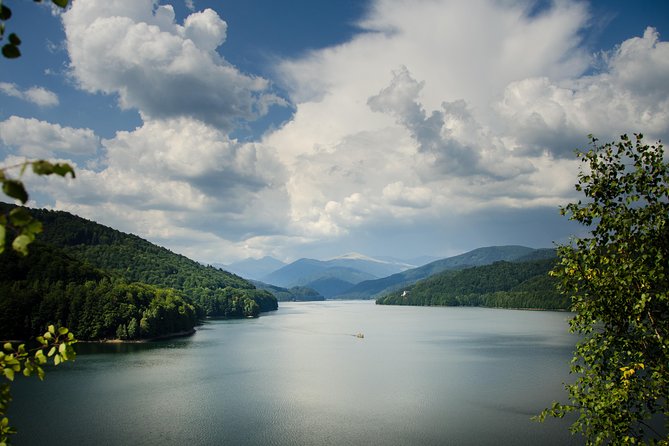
{"x":158,"y":66}
{"x":630,"y":94}
{"x":39,"y":96}
{"x":450,"y":140}
{"x":166,"y":176}
{"x":397,"y":194}
{"x":433,"y":121}
{"x":34,"y":138}
{"x":445,"y":108}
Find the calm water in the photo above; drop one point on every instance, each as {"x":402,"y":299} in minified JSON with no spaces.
{"x":299,"y":376}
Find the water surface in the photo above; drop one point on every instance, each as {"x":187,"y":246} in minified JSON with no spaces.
{"x":300,"y":376}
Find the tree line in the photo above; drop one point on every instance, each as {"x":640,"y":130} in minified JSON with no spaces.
{"x":104,"y":284}
{"x":499,"y":285}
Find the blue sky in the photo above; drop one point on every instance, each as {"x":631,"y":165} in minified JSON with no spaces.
{"x":232,"y":129}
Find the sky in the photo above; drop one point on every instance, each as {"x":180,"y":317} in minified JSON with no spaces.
{"x":226,"y":130}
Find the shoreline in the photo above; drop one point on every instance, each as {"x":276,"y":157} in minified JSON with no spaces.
{"x":180,"y":334}
{"x":561,"y":310}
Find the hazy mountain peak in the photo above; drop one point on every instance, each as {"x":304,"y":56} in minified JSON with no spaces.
{"x":357,"y":256}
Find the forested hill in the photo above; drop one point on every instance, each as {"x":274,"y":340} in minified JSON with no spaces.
{"x":502,"y":285}
{"x":126,"y":259}
{"x":294,"y":294}
{"x":50,"y":287}
{"x":482,"y":256}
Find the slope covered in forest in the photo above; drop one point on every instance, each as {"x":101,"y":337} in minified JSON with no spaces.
{"x":75,"y":259}
{"x":50,"y":287}
{"x":481,"y":256}
{"x":502,"y":284}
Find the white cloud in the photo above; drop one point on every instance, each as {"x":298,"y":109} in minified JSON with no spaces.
{"x":631,"y":94}
{"x":35,"y":138}
{"x":397,"y":194}
{"x":159,"y":67}
{"x":39,"y":96}
{"x":446,"y":108}
{"x":438,"y":123}
{"x":178,"y":180}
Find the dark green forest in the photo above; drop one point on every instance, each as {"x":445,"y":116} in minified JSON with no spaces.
{"x":103,"y":284}
{"x":499,"y":285}
{"x":293,"y":294}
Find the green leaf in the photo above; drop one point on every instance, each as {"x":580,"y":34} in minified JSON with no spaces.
{"x":8,"y":346}
{"x":3,"y":233}
{"x":61,"y":3}
{"x":32,"y":228}
{"x":62,"y":330}
{"x":11,"y":51}
{"x":20,"y":244}
{"x":42,"y":167}
{"x":9,"y":373}
{"x":5,"y":13}
{"x":63,"y":169}
{"x":14,"y":39}
{"x":20,"y":217}
{"x":39,"y":356}
{"x":15,"y":189}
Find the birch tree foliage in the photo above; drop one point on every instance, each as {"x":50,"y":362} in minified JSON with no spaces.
{"x":618,"y":282}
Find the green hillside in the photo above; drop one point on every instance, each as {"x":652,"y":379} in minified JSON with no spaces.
{"x":108,"y":256}
{"x":370,"y":289}
{"x":294,"y":294}
{"x":502,"y":284}
{"x":50,"y":287}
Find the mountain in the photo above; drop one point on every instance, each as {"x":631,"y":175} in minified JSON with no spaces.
{"x":253,"y":269}
{"x":413,"y":262}
{"x":481,"y":256}
{"x":525,"y":284}
{"x":126,"y":259}
{"x":335,"y":276}
{"x":375,"y":267}
{"x":330,"y":286}
{"x":50,"y":287}
{"x":294,"y":294}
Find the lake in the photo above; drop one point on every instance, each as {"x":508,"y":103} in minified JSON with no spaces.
{"x":300,"y":376}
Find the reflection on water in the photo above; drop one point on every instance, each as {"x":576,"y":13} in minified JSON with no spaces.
{"x":433,"y":376}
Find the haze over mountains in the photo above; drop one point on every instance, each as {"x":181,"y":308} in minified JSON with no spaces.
{"x":253,"y":269}
{"x":350,"y":276}
{"x":356,"y":276}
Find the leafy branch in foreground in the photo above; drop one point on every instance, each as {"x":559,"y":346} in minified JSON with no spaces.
{"x":18,"y":220}
{"x":618,"y":282}
{"x":55,"y":343}
{"x":11,"y":50}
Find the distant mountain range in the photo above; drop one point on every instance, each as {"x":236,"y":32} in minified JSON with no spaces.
{"x":371,"y":289}
{"x":335,"y":276}
{"x":252,"y":269}
{"x":356,"y":276}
